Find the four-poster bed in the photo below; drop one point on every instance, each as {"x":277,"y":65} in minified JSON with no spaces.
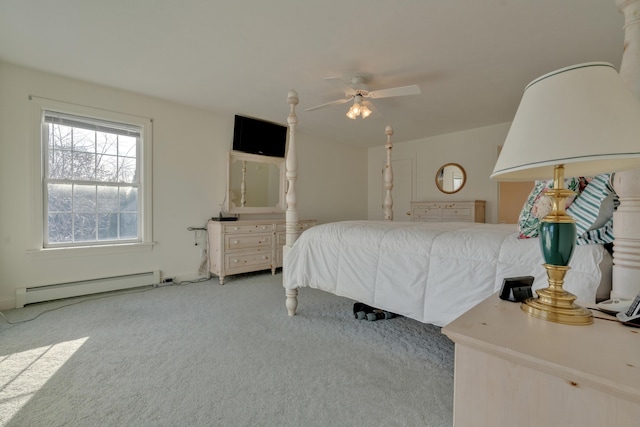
{"x":431,"y":272}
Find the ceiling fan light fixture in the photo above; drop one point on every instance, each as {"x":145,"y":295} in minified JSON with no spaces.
{"x":357,"y":109}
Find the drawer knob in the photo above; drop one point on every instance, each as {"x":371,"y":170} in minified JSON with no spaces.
{"x":235,"y":261}
{"x":235,"y":242}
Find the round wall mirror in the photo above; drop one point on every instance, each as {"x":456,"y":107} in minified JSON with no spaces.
{"x":450,"y":178}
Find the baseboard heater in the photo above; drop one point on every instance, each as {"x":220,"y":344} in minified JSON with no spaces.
{"x":26,"y":296}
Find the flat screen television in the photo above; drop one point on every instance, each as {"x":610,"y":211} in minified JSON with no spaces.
{"x":259,"y":137}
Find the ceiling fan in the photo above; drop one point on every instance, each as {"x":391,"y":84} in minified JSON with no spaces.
{"x":358,"y":90}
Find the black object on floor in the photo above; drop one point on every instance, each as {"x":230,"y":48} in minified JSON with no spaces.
{"x":365,"y":312}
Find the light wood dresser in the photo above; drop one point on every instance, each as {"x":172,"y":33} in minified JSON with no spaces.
{"x":512,"y":369}
{"x":466,"y":211}
{"x":244,"y":246}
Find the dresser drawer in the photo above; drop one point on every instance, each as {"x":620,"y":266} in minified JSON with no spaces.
{"x":244,"y":260}
{"x":244,"y":241}
{"x":241,"y":228}
{"x":460,"y":212}
{"x":301,"y":226}
{"x":424,"y":213}
{"x":428,"y":209}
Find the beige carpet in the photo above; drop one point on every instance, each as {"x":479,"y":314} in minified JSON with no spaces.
{"x":209,"y":355}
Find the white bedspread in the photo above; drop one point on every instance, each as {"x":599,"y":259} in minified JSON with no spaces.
{"x":431,"y":272}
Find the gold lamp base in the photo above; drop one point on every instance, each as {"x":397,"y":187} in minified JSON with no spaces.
{"x":554,"y":303}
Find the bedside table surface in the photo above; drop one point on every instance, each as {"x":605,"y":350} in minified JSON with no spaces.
{"x":605,"y":355}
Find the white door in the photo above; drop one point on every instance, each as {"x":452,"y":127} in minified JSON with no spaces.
{"x":403,"y":187}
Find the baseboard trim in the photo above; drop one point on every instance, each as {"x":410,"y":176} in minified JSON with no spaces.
{"x":35,"y":294}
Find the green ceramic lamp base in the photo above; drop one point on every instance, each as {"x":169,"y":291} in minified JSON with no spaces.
{"x":557,"y":242}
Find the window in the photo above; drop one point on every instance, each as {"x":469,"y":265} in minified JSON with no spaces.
{"x":94,"y":179}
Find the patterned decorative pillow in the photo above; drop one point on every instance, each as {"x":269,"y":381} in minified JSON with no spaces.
{"x":538,"y":205}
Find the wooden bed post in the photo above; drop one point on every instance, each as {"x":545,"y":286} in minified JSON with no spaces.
{"x":292,"y":229}
{"x":388,"y":177}
{"x":626,"y":222}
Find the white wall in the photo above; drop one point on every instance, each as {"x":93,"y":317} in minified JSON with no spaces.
{"x":189,"y":177}
{"x":476,"y":150}
{"x":332,"y":180}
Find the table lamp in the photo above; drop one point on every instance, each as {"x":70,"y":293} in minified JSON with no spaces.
{"x":577,"y":121}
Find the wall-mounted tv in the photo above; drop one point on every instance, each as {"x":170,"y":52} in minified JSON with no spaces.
{"x":259,"y":137}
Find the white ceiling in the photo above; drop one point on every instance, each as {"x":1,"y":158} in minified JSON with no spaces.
{"x":471,"y":58}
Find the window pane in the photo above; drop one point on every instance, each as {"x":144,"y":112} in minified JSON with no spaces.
{"x":84,"y":227}
{"x":60,"y":227}
{"x":107,"y":226}
{"x":127,"y":146}
{"x":91,"y":180}
{"x":59,"y":197}
{"x":107,"y":168}
{"x":106,"y":143}
{"x":59,"y":136}
{"x":127,"y":169}
{"x":84,"y":166}
{"x":84,"y":198}
{"x":107,"y":199}
{"x":128,"y":226}
{"x":60,"y":164}
{"x":128,"y":199}
{"x":84,"y":140}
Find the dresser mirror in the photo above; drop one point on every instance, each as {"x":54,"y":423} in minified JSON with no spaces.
{"x":450,"y":178}
{"x":256,"y":184}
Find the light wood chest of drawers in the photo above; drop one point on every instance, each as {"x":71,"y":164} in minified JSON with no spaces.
{"x":512,"y":369}
{"x":466,"y":211}
{"x":244,"y":246}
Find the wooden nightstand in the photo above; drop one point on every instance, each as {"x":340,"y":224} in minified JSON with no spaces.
{"x":512,"y":369}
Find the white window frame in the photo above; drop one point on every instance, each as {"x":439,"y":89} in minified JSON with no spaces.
{"x":38,"y":205}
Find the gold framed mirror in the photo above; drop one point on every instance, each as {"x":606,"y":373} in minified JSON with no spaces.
{"x":450,"y":178}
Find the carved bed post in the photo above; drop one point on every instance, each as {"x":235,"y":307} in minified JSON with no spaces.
{"x":388,"y":177}
{"x":626,"y":223}
{"x":292,"y":229}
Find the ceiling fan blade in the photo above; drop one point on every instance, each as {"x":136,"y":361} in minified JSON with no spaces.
{"x":340,"y":84}
{"x":336,"y":102}
{"x":395,"y":91}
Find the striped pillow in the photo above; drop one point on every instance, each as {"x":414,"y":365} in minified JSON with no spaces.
{"x":593,"y":211}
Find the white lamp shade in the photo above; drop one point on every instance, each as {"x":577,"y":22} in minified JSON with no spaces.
{"x":583,"y":117}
